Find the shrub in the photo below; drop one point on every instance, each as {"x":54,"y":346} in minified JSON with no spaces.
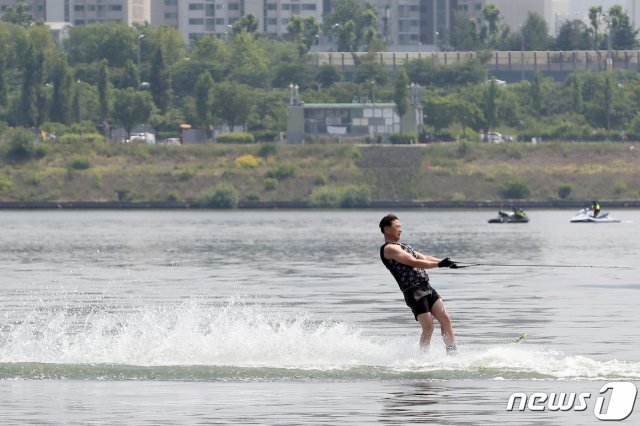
{"x":79,"y":163}
{"x":221,"y":196}
{"x":325,"y":197}
{"x":247,"y":162}
{"x":355,"y":196}
{"x":235,"y":138}
{"x":619,"y":187}
{"x":282,"y":172}
{"x":184,"y":174}
{"x":270,"y":184}
{"x":265,"y":135}
{"x":564,"y":191}
{"x":321,"y":180}
{"x":268,"y":149}
{"x":22,"y":144}
{"x":403,"y":138}
{"x":349,"y":196}
{"x":516,"y":189}
{"x":5,"y":183}
{"x":253,"y":196}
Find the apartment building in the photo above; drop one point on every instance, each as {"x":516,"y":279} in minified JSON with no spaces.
{"x":194,"y":18}
{"x":412,"y":24}
{"x":80,"y":12}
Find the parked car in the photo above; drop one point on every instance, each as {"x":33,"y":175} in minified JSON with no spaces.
{"x":495,"y":137}
{"x":492,"y":137}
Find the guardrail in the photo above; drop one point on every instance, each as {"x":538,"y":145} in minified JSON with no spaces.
{"x":597,"y":60}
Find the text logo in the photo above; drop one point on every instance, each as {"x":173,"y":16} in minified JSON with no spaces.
{"x":615,"y":403}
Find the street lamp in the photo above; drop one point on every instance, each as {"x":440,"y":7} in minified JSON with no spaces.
{"x":140,"y":37}
{"x":80,"y":103}
{"x":521,"y":53}
{"x":372,"y":88}
{"x":293,"y":92}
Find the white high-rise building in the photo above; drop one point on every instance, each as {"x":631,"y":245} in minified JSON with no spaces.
{"x":79,"y":12}
{"x":516,"y":12}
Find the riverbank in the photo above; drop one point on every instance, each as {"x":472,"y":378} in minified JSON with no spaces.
{"x":299,"y":205}
{"x":277,"y":176}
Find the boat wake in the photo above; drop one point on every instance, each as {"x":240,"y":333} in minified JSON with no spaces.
{"x":236,"y":342}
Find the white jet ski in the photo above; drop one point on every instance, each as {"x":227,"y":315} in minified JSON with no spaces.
{"x":586,"y":216}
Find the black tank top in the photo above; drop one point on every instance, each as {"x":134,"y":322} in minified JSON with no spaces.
{"x":406,"y":276}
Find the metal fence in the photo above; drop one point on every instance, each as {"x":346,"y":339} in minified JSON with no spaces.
{"x":549,"y":61}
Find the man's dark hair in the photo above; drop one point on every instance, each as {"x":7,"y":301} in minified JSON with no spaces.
{"x":386,"y":221}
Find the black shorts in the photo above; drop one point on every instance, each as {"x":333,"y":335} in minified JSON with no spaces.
{"x":421,"y":299}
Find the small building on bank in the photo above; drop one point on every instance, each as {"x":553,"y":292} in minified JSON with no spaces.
{"x":356,"y":119}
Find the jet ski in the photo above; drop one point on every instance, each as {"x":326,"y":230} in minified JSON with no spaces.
{"x":516,"y":216}
{"x":586,"y":216}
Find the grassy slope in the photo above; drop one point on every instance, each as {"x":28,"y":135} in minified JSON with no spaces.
{"x":450,"y":171}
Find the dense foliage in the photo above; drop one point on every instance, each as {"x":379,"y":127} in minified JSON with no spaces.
{"x":111,"y":74}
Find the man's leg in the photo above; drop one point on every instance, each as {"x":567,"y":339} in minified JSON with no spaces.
{"x":440,"y":312}
{"x":426,"y":322}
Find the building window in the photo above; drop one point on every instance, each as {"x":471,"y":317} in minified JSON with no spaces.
{"x":196,"y":21}
{"x":116,"y":8}
{"x":196,"y":6}
{"x":234,"y":6}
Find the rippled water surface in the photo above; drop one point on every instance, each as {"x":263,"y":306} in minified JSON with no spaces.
{"x":288,"y":317}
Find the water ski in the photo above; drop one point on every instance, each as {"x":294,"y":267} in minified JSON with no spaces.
{"x":521,"y":339}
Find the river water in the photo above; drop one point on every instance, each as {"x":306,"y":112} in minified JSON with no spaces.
{"x":289,"y":317}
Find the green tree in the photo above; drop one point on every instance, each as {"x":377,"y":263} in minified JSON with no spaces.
{"x":595,"y":18}
{"x":467,"y":114}
{"x":535,"y":92}
{"x":104,"y":90}
{"x":132,"y":107}
{"x":489,"y":108}
{"x":160,"y":82}
{"x":574,"y":35}
{"x":535,"y":32}
{"x":494,"y":29}
{"x":130,"y":76}
{"x":4,"y":55}
{"x":233,"y":102}
{"x":368,"y":69}
{"x":248,"y":23}
{"x":623,"y":34}
{"x":62,"y":81}
{"x":248,"y":63}
{"x":353,"y":24}
{"x":465,"y":35}
{"x":31,"y":86}
{"x":438,"y":111}
{"x":204,"y":98}
{"x":18,"y":14}
{"x":574,"y":83}
{"x":303,"y":32}
{"x":116,"y":43}
{"x":328,"y":74}
{"x":400,"y":93}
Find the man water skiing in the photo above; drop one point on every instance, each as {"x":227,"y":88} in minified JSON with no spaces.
{"x":408,"y":267}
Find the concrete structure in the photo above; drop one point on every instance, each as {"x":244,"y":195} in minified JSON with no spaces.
{"x":351,"y":120}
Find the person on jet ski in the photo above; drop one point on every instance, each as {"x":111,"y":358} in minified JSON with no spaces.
{"x":595,"y":207}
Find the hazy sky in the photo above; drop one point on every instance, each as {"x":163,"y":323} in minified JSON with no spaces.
{"x":580,"y":6}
